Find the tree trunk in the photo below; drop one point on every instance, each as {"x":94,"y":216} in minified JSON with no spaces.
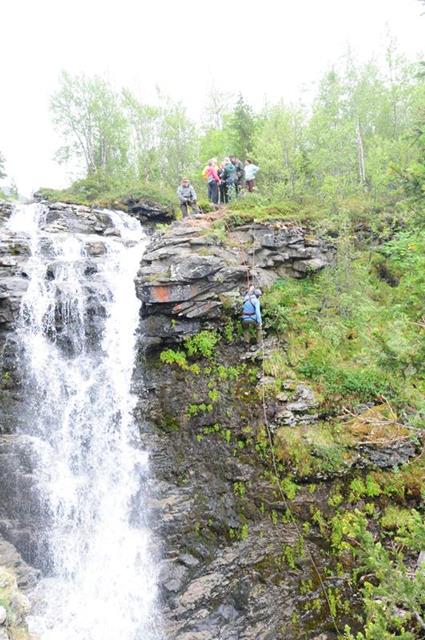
{"x":361,"y":156}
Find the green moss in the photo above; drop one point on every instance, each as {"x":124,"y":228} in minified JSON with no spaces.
{"x":169,"y":356}
{"x":193,"y":409}
{"x":395,"y":517}
{"x":312,"y":449}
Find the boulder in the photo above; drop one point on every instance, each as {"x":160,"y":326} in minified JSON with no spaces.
{"x":146,"y":210}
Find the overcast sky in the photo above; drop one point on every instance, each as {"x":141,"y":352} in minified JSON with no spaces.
{"x":264,"y":48}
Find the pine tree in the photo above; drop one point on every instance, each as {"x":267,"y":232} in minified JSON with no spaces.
{"x":241,"y":128}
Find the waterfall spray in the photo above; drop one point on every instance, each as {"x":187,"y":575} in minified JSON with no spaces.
{"x":77,"y":333}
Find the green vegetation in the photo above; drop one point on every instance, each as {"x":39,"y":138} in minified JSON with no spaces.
{"x":203,"y":344}
{"x":358,"y":145}
{"x":393,"y":595}
{"x":356,"y":330}
{"x":308,"y":450}
{"x":109,"y":191}
{"x":351,"y":167}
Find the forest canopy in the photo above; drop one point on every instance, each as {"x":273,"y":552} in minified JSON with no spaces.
{"x":364,"y":132}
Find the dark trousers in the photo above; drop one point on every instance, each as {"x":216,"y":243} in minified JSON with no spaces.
{"x":251,"y":329}
{"x":192,"y":204}
{"x":223,"y":193}
{"x":250,"y":185}
{"x":213,"y":192}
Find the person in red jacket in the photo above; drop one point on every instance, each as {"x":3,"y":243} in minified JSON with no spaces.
{"x":213,"y":182}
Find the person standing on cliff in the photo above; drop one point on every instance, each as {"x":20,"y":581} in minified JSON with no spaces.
{"x":187,"y":197}
{"x":239,"y":173}
{"x":251,"y":314}
{"x":250,"y":173}
{"x":229,"y":178}
{"x":213,"y":182}
{"x":222,"y":185}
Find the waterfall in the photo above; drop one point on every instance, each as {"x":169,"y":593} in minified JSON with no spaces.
{"x":77,"y":332}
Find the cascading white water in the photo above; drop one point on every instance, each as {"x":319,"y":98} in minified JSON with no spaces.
{"x":102,"y":576}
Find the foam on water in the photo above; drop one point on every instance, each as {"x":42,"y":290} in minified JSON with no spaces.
{"x":90,"y":471}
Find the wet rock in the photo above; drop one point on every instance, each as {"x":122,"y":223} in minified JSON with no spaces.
{"x":11,"y":561}
{"x":209,"y":512}
{"x":5,"y":210}
{"x":146,"y":210}
{"x":112,"y":231}
{"x":295,"y":406}
{"x":285,"y":417}
{"x":189,"y":561}
{"x":75,"y":218}
{"x":379,"y":438}
{"x":96,"y":248}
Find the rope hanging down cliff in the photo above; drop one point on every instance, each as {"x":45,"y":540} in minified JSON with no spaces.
{"x":276,"y":473}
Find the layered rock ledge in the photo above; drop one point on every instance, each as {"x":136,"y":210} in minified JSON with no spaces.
{"x":190,"y":273}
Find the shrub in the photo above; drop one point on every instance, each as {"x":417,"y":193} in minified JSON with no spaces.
{"x":203,"y":343}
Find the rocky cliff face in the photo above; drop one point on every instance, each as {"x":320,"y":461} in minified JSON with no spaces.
{"x":190,"y":274}
{"x":236,"y":538}
{"x":236,"y":553}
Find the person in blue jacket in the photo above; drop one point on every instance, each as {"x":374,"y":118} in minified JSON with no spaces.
{"x":251,"y":314}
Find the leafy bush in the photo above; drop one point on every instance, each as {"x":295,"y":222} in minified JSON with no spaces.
{"x":203,"y":343}
{"x":394,"y":598}
{"x":169,"y":356}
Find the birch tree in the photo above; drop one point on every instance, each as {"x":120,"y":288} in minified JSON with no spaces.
{"x":88,"y":114}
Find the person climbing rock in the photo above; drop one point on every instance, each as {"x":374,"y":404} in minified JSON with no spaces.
{"x":250,"y":173}
{"x":213,"y":182}
{"x":187,"y":197}
{"x":251,"y":315}
{"x":240,"y":173}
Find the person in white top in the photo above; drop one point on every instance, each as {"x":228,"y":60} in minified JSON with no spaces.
{"x":250,"y":173}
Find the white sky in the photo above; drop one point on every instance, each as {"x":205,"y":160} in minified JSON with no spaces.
{"x":266,"y":49}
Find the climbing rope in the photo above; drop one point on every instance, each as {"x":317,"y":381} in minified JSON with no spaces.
{"x":285,"y":502}
{"x":276,"y":473}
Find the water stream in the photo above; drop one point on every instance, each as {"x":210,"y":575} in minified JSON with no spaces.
{"x":77,"y":333}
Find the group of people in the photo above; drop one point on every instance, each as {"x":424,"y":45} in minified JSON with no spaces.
{"x":225,"y":182}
